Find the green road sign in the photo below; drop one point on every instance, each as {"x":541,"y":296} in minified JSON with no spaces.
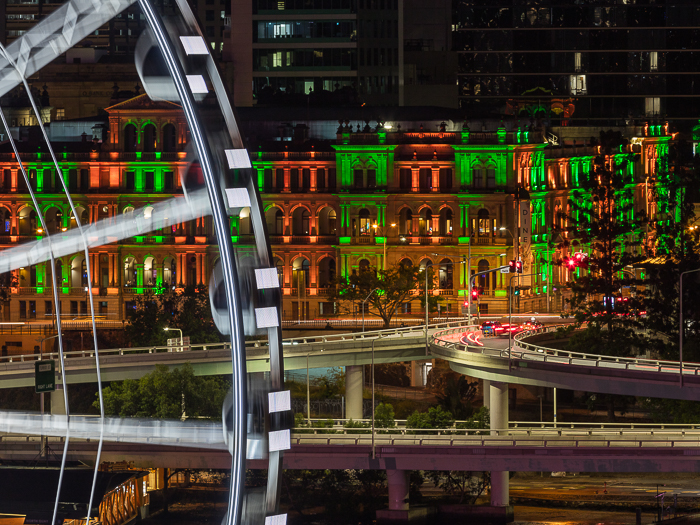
{"x":44,"y":376}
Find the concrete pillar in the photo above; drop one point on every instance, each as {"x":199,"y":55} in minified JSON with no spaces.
{"x":397,"y":480}
{"x":354,"y":384}
{"x":58,"y":404}
{"x":417,"y":374}
{"x":487,"y":393}
{"x":498,"y":401}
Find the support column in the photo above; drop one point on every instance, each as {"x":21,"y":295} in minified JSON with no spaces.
{"x":397,"y":480}
{"x":498,"y":393}
{"x":58,"y":404}
{"x":416,"y":373}
{"x":354,"y":384}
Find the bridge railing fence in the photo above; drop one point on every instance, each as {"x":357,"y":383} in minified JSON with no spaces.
{"x":253,"y":348}
{"x":531,"y":352}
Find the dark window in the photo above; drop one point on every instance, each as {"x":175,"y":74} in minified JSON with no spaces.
{"x":294,"y":178}
{"x":48,"y":308}
{"x":321,"y":179}
{"x":84,"y":179}
{"x":305,"y":178}
{"x":7,"y":180}
{"x":129,"y":308}
{"x":331,"y":179}
{"x":279,"y":179}
{"x":48,"y":181}
{"x":210,"y":15}
{"x":149,"y":180}
{"x":169,"y":180}
{"x":74,"y":307}
{"x":445,"y":179}
{"x":130,"y":180}
{"x":23,"y":309}
{"x":358,"y":179}
{"x":32,"y":309}
{"x":405,"y":177}
{"x":371,"y":178}
{"x":72,"y":180}
{"x":267,"y":179}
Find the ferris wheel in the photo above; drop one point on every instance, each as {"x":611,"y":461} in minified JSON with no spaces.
{"x":174,"y":63}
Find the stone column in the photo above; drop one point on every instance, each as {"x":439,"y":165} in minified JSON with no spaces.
{"x":398,"y":481}
{"x":498,"y":393}
{"x":58,"y":404}
{"x":415,"y":180}
{"x":436,"y":180}
{"x":354,"y":384}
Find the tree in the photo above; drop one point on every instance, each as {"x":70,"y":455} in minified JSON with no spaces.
{"x":187,"y":309}
{"x":603,"y":220}
{"x":462,"y":484}
{"x":436,"y":417}
{"x":166,"y":394}
{"x":394,"y":286}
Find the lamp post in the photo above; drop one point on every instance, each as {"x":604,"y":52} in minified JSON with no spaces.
{"x":373,"y":449}
{"x":308,"y":394}
{"x":510,"y":315}
{"x":86,"y":301}
{"x":680,"y":337}
{"x":41,"y":395}
{"x":363,"y":307}
{"x":168,"y":328}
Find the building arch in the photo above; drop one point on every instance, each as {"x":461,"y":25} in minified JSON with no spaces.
{"x":28,"y":220}
{"x":482,"y":280}
{"x":405,"y":221}
{"x":446,"y":222}
{"x":326,"y":270}
{"x":5,"y":221}
{"x":301,"y":267}
{"x":327,"y":220}
{"x":301,"y":220}
{"x":150,"y":137}
{"x":274,"y":216}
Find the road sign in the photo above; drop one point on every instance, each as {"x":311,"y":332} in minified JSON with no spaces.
{"x":44,"y":376}
{"x":505,"y":270}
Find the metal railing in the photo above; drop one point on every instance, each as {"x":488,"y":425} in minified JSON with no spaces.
{"x":253,"y":348}
{"x":530,"y":352}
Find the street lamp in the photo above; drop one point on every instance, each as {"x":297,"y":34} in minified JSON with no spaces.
{"x":168,"y":328}
{"x":363,"y":307}
{"x":680,"y":342}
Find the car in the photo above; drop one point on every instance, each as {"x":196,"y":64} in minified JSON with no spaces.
{"x":490,"y":327}
{"x":504,"y":329}
{"x":532,"y":324}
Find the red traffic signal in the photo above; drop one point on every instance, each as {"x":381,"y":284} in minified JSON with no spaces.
{"x":475,"y":294}
{"x":466,"y":304}
{"x":511,"y":266}
{"x":519,"y":266}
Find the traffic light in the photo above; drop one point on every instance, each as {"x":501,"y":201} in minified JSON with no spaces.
{"x":475,"y":294}
{"x":511,"y":266}
{"x":466,"y":304}
{"x":516,"y":291}
{"x":519,"y":266}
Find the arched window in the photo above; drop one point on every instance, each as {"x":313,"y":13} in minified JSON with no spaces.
{"x":425,"y":222}
{"x":130,"y":138}
{"x":445,"y":274}
{"x":483,"y":281}
{"x":129,"y":272}
{"x":279,"y":265}
{"x":446,"y":222}
{"x":327,"y":221}
{"x":244,"y":227}
{"x":27,"y":221}
{"x":275,"y":221}
{"x":405,"y":221}
{"x":149,"y":138}
{"x":300,"y":221}
{"x":424,"y":263}
{"x":405,"y":262}
{"x":5,"y":221}
{"x":363,"y":264}
{"x":300,"y":273}
{"x":326,"y":272}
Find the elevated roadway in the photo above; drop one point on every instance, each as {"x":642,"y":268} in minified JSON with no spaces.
{"x":530,"y":364}
{"x":391,"y":346}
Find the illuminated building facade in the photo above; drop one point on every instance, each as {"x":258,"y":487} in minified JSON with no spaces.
{"x":333,"y":207}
